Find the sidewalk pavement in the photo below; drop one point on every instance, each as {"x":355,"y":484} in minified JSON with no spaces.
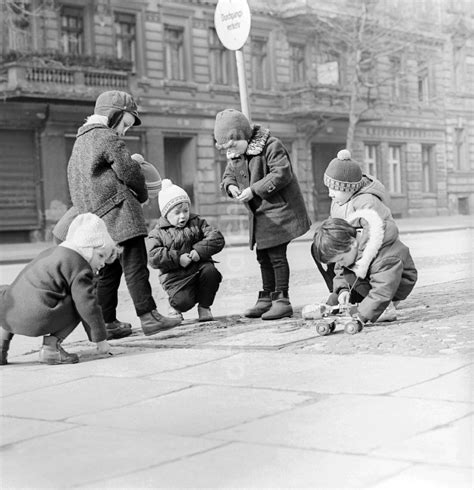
{"x":24,"y":252}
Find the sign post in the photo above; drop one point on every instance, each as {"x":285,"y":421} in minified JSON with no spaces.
{"x":232,"y":23}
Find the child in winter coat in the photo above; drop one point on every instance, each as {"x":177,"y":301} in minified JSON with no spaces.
{"x":371,"y":269}
{"x":105,"y":180}
{"x":56,"y":291}
{"x":181,"y":246}
{"x":259,"y":174}
{"x":351,"y":190}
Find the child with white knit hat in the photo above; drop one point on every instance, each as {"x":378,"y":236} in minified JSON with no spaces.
{"x":181,"y":246}
{"x":56,"y":291}
{"x":350,"y":191}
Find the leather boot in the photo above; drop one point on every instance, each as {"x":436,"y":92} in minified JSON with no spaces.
{"x":6,"y":338}
{"x":53,"y":353}
{"x":281,"y":307}
{"x":153,"y":322}
{"x":205,"y":314}
{"x":262,"y":305}
{"x":118,"y":330}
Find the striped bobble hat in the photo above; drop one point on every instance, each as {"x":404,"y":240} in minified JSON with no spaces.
{"x":152,"y":176}
{"x":343,"y":173}
{"x":171,"y":195}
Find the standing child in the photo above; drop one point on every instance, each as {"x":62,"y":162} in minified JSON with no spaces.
{"x":371,"y":269}
{"x":104,"y":179}
{"x":56,"y":291}
{"x":181,"y":246}
{"x":259,"y":174}
{"x":351,"y":190}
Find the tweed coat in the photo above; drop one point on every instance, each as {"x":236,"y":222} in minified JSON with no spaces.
{"x":166,"y":243}
{"x":384,"y":270}
{"x":105,"y":180}
{"x":54,"y":291}
{"x":277,"y":212}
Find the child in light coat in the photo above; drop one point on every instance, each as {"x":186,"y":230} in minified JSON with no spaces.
{"x":181,"y":247}
{"x":56,"y":291}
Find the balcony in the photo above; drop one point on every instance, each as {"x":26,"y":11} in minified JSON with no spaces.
{"x":50,"y":79}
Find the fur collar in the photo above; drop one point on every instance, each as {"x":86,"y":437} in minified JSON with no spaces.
{"x":373,"y":228}
{"x":258,"y":140}
{"x":96,"y":119}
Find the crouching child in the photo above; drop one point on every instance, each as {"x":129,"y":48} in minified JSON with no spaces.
{"x":56,"y":291}
{"x":372,"y":268}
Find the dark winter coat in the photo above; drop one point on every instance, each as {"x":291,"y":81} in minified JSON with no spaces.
{"x":277,"y":212}
{"x":105,"y":180}
{"x":54,"y":291}
{"x":383,"y":266}
{"x":166,"y":243}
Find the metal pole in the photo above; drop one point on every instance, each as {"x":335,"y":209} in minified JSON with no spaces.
{"x":244,"y":102}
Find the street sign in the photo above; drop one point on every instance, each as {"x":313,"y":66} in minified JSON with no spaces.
{"x":232,"y":23}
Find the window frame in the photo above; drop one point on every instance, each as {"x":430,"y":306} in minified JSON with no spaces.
{"x":80,"y":9}
{"x":262,"y":68}
{"x":371,"y":161}
{"x":301,"y":62}
{"x":394,"y":167}
{"x":135,"y":55}
{"x":220,"y":58}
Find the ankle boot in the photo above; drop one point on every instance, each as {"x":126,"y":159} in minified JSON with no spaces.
{"x":6,"y":338}
{"x":118,"y":330}
{"x":205,"y":314}
{"x":53,"y":353}
{"x":281,"y":307}
{"x":262,"y":305}
{"x":153,"y":322}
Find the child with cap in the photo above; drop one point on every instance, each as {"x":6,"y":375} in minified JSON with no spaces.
{"x":104,"y":179}
{"x":56,"y":291}
{"x":350,"y":190}
{"x":372,"y":269}
{"x":259,"y":174}
{"x":181,"y":246}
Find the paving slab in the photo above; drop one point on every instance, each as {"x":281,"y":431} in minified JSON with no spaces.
{"x":87,"y":454}
{"x":260,"y":466}
{"x":87,"y":395}
{"x":348,"y":423}
{"x":370,"y":374}
{"x":450,"y":445}
{"x":196,"y":410}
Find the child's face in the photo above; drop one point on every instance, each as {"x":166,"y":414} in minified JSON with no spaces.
{"x":236,"y":148}
{"x":178,"y":215}
{"x":346,"y":259}
{"x":341,"y":197}
{"x":128,"y":120}
{"x":99,"y":256}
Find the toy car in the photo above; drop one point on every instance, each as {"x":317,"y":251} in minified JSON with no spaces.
{"x":339,"y":315}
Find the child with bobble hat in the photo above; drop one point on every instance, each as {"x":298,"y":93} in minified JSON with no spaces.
{"x":181,"y":247}
{"x":351,"y":191}
{"x":56,"y":291}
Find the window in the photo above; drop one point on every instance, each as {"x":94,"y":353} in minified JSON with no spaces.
{"x":220,"y":61}
{"x":459,"y":149}
{"x":398,"y":92}
{"x":423,"y":83}
{"x":394,"y":169}
{"x":19,"y":32}
{"x":298,"y":63}
{"x":260,"y":67}
{"x":370,"y":159}
{"x":459,"y":64}
{"x":427,"y":168}
{"x":125,"y":37}
{"x":328,"y":68}
{"x":72,"y":30}
{"x":174,"y":53}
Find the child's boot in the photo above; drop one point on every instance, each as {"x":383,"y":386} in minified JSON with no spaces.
{"x":205,"y":314}
{"x":389,"y":315}
{"x":281,"y":306}
{"x":153,"y":322}
{"x":263,"y":304}
{"x":118,"y":330}
{"x":53,"y":353}
{"x":174,"y":313}
{"x":315,"y":311}
{"x":6,"y":338}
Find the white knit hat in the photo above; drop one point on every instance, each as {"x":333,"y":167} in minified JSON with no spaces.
{"x":86,"y":232}
{"x":171,"y":195}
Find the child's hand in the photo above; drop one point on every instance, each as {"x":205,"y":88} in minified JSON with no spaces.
{"x":234,"y":190}
{"x":245,"y":195}
{"x":194,"y":256}
{"x":103,"y":347}
{"x":344,"y":297}
{"x":184,"y":260}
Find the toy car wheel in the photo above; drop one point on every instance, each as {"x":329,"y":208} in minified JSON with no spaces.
{"x":351,"y":327}
{"x":323,"y":328}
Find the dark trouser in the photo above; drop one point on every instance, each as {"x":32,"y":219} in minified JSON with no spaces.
{"x":133,"y":263}
{"x":274,"y":268}
{"x":201,"y":290}
{"x":327,"y":273}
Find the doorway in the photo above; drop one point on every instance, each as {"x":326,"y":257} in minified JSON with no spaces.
{"x":321,"y":155}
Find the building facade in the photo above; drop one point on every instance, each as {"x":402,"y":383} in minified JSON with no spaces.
{"x":416,"y":133}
